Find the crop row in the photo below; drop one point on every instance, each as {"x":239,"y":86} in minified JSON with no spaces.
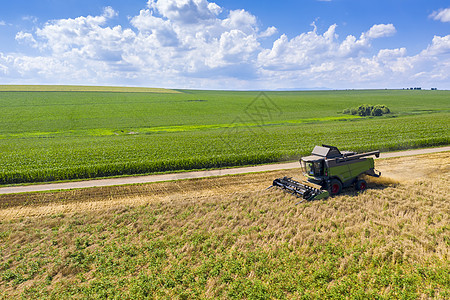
{"x":63,"y":158}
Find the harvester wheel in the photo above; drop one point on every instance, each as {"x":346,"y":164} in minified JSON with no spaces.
{"x":335,"y":187}
{"x":361,"y":185}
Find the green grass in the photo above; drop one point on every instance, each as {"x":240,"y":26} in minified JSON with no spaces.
{"x":47,"y":136}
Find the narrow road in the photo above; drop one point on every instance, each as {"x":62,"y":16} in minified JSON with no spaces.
{"x":184,"y":175}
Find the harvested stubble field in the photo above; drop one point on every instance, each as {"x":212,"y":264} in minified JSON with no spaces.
{"x":227,"y":237}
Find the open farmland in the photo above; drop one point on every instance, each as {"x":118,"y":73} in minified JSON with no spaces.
{"x":228,"y":238}
{"x":62,"y":135}
{"x":78,"y":88}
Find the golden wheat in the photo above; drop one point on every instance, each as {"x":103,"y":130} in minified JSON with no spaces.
{"x":395,"y":222}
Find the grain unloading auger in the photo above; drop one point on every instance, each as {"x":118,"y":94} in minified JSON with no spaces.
{"x":328,"y":170}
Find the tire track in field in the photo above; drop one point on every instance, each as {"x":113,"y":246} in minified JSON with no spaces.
{"x":186,"y":175}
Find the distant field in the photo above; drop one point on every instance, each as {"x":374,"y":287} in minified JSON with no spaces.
{"x":60,"y":135}
{"x":79,"y":88}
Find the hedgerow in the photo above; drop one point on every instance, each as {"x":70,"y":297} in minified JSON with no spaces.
{"x":368,"y":110}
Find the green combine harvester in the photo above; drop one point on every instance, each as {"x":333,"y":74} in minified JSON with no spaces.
{"x":328,"y":171}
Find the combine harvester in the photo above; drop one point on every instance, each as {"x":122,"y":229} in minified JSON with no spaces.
{"x":328,"y":170}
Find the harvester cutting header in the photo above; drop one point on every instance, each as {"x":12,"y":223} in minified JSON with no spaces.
{"x":328,"y":170}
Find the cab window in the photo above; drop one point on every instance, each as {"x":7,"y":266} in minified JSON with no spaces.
{"x":315,"y":168}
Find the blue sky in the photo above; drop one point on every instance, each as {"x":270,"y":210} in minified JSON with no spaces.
{"x":227,"y":44}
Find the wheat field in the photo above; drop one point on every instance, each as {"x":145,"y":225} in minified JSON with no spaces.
{"x":229,"y":238}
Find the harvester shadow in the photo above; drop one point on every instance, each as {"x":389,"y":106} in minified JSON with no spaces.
{"x":372,"y":184}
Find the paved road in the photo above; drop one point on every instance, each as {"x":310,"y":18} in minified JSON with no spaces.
{"x":185,"y":175}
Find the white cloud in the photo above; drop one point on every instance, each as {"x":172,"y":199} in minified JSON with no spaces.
{"x":311,"y":49}
{"x":300,"y":52}
{"x":3,"y":69}
{"x":203,"y":40}
{"x":268,"y":32}
{"x":322,"y":60}
{"x":2,"y":23}
{"x":186,"y":11}
{"x":439,"y":46}
{"x":381,"y":30}
{"x":109,"y":12}
{"x":85,"y":37}
{"x":387,"y":54}
{"x":165,"y":43}
{"x":198,"y":44}
{"x":161,"y":30}
{"x":242,"y":20}
{"x":235,"y":45}
{"x":31,"y":19}
{"x":214,"y":8}
{"x":352,"y":46}
{"x":26,"y":37}
{"x":4,"y":61}
{"x":442,"y":15}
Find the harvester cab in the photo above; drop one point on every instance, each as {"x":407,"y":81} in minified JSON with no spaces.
{"x":328,"y":170}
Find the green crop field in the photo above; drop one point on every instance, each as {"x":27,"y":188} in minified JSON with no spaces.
{"x":48,"y":134}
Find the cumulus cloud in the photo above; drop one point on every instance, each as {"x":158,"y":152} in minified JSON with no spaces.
{"x":2,"y":23}
{"x":162,"y":30}
{"x":270,"y":31}
{"x":442,"y":15}
{"x":440,"y":46}
{"x":387,"y":54}
{"x":202,"y":38}
{"x":300,"y":52}
{"x":186,"y":11}
{"x":109,"y":12}
{"x":169,"y":38}
{"x":4,"y":61}
{"x":198,"y":44}
{"x":85,"y":37}
{"x":381,"y":30}
{"x":26,"y":37}
{"x":313,"y":58}
{"x":242,"y":20}
{"x":312,"y":48}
